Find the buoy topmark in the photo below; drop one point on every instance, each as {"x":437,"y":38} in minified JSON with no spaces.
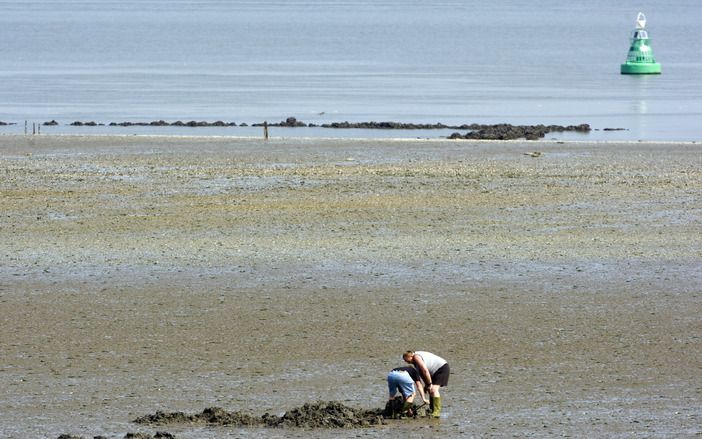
{"x":640,"y":60}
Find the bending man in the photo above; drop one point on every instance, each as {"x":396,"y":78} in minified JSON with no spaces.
{"x":407,"y":381}
{"x":435,"y":371}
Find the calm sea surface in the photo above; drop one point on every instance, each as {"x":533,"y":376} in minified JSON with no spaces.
{"x":450,"y":61}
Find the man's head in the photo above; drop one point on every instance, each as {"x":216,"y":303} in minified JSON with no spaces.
{"x":407,"y":356}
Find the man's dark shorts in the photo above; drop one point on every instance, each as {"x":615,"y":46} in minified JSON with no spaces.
{"x":441,"y":376}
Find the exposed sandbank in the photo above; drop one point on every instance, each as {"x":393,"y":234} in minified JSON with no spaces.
{"x":172,"y":273}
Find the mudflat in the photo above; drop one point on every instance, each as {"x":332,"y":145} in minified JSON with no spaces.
{"x":561,"y":280}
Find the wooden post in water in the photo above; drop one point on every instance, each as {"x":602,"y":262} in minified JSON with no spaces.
{"x":25,"y":127}
{"x":265,"y":130}
{"x":34,"y":128}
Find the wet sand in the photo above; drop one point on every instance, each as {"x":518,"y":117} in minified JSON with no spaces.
{"x":159,"y":273}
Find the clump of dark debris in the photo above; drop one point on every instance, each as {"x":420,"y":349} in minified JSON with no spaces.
{"x":312,"y":415}
{"x":212,"y":416}
{"x":325,"y":415}
{"x":320,"y":414}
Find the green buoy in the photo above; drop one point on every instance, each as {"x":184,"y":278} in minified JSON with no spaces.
{"x":640,"y":60}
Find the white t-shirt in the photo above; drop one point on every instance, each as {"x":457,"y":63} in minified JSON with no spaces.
{"x":431,"y":361}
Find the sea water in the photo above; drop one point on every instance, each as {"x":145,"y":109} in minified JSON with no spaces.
{"x":322,"y":61}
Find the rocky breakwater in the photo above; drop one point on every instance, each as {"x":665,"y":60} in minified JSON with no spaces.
{"x":511,"y":132}
{"x":290,"y":122}
{"x":178,"y":123}
{"x":475,"y":131}
{"x":391,"y":126}
{"x":155,"y":123}
{"x":77,"y":124}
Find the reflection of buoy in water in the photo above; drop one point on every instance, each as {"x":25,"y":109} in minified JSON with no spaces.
{"x":640,"y":60}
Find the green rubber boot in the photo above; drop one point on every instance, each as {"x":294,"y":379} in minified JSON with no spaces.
{"x":435,"y":407}
{"x":405,"y":408}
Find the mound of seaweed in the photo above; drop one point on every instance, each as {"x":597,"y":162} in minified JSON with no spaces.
{"x":321,"y":414}
{"x":211,"y":415}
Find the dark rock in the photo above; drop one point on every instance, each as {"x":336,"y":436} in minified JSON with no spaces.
{"x":87,"y":124}
{"x":389,"y":126}
{"x":51,"y":123}
{"x":292,"y":122}
{"x":477,"y":131}
{"x":195,"y":124}
{"x":178,"y":123}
